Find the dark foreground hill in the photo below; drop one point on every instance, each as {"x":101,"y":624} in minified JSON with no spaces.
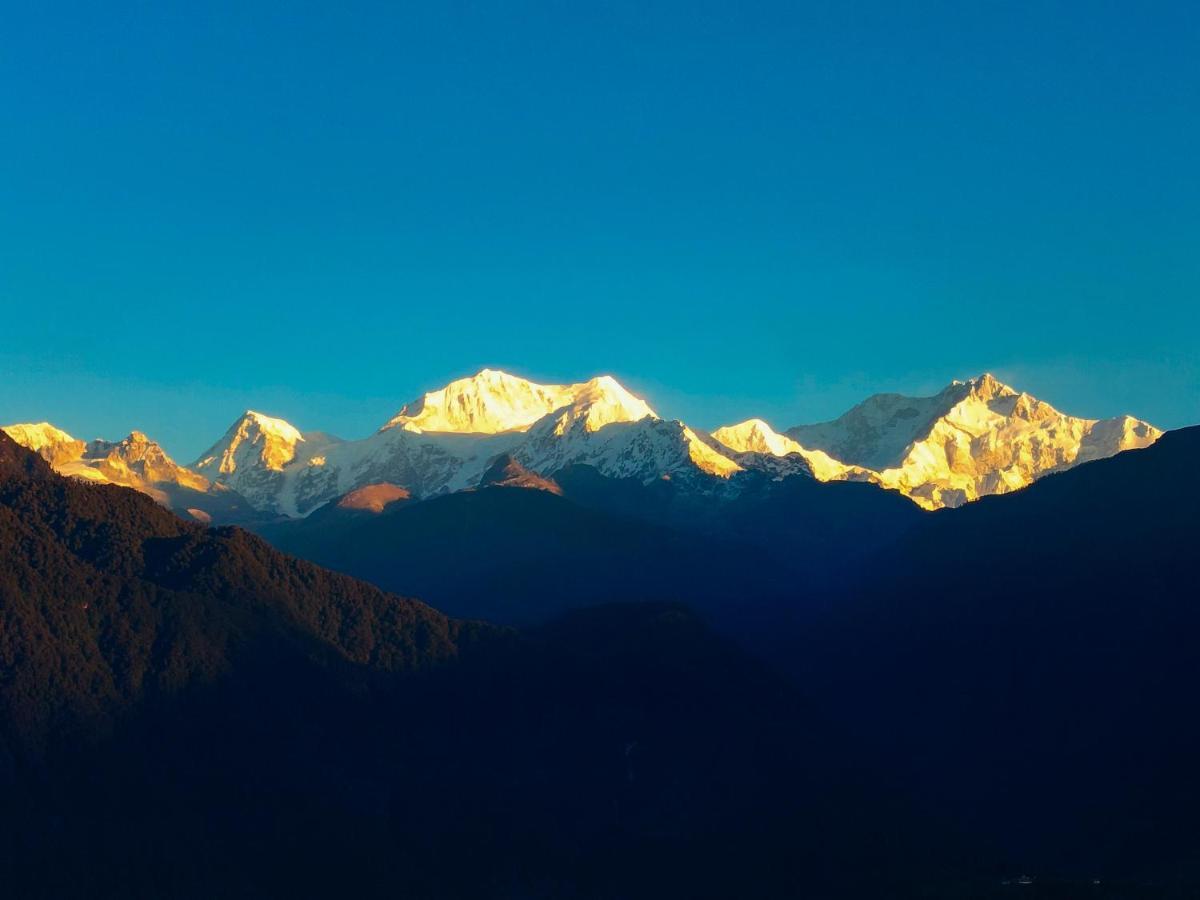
{"x":1007,"y":689}
{"x":1029,"y":664}
{"x":188,"y":712}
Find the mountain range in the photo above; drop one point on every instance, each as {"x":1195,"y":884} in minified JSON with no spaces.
{"x":187,"y":712}
{"x":972,"y":439}
{"x":974,"y":694}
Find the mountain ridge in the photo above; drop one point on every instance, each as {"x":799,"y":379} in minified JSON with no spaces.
{"x":973,"y":438}
{"x":136,"y":462}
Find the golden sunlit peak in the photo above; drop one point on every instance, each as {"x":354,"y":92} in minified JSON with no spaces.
{"x":35,"y":436}
{"x":755,"y":436}
{"x":279,"y":428}
{"x":493,"y":402}
{"x":254,"y":438}
{"x":988,"y":386}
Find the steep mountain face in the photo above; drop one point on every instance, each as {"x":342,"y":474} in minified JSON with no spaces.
{"x":972,"y":439}
{"x":136,"y":462}
{"x":181,"y":707}
{"x":252,"y":456}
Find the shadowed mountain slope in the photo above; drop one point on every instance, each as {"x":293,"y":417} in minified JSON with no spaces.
{"x":187,"y":712}
{"x":520,"y":556}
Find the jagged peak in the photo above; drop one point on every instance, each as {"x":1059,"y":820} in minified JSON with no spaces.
{"x":273,"y":441}
{"x":988,"y":387}
{"x":280,"y":428}
{"x":136,"y":445}
{"x":135,"y":439}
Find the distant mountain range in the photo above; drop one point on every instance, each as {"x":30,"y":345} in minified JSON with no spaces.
{"x":972,"y":439}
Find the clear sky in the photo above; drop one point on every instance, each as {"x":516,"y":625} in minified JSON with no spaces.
{"x":321,"y":210}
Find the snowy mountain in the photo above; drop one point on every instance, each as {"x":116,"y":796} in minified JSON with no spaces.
{"x":53,"y":444}
{"x":254,"y":455}
{"x":492,"y":402}
{"x":136,"y":462}
{"x":971,"y":439}
{"x":446,"y":440}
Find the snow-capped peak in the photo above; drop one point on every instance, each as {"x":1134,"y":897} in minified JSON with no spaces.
{"x":37,"y":436}
{"x":488,"y":402}
{"x":599,"y":402}
{"x":255,"y":437}
{"x":756,"y":436}
{"x":136,"y":461}
{"x":493,"y":402}
{"x":277,"y":428}
{"x":53,"y":444}
{"x":988,"y":387}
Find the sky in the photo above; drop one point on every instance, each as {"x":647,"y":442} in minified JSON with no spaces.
{"x":321,"y":211}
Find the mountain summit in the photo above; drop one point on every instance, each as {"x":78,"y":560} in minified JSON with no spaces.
{"x":493,"y":402}
{"x":253,"y":440}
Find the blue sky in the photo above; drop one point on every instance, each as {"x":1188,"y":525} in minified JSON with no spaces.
{"x":738,"y":209}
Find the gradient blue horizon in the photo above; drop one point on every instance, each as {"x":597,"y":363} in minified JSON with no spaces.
{"x":738,"y":210}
